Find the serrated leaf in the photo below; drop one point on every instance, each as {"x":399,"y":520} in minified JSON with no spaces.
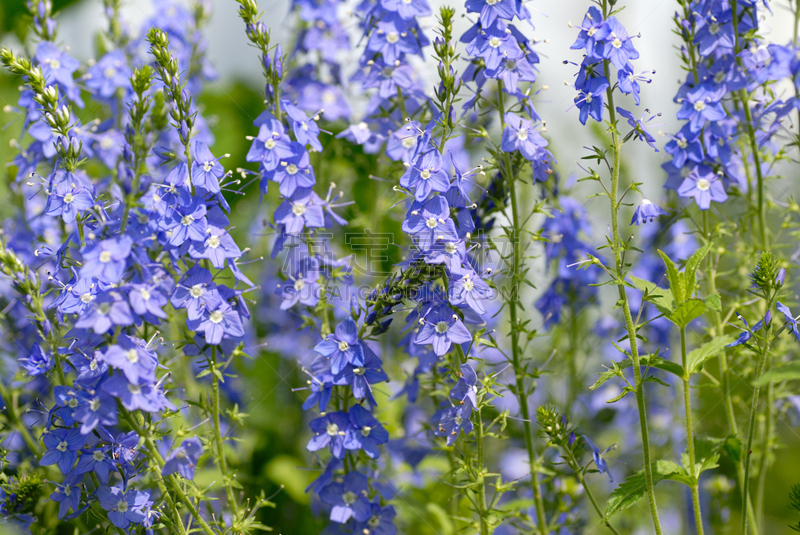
{"x":690,"y":270}
{"x":695,"y":359}
{"x":676,"y":282}
{"x":688,"y":311}
{"x":655,"y":294}
{"x":635,"y":487}
{"x":787,"y":372}
{"x":713,"y":302}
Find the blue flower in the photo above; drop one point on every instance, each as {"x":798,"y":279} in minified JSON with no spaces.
{"x":597,"y":455}
{"x":426,"y":175}
{"x":361,"y":378}
{"x":617,"y":46}
{"x":183,"y":459}
{"x":466,"y":389}
{"x":593,"y":31}
{"x":62,"y":448}
{"x":490,"y":12}
{"x":348,"y":498}
{"x":124,"y":508}
{"x":441,"y":327}
{"x":380,"y":521}
{"x":109,"y":74}
{"x":646,"y":211}
{"x":294,"y":171}
{"x":106,"y":259}
{"x":701,"y":105}
{"x":430,"y":223}
{"x":342,"y":347}
{"x":133,"y":358}
{"x":365,"y":432}
{"x":748,"y":333}
{"x":791,"y":322}
{"x":97,"y":460}
{"x":222,"y":321}
{"x":330,"y":431}
{"x":494,"y":44}
{"x":589,"y":99}
{"x":705,"y":186}
{"x":451,"y":421}
{"x":206,"y":169}
{"x":467,"y":287}
{"x":520,"y":135}
{"x":38,"y":362}
{"x":68,"y":494}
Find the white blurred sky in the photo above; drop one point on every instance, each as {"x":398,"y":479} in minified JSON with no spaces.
{"x":231,"y":55}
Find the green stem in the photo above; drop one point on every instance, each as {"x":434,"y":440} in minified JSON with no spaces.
{"x":15,"y":420}
{"x":626,"y":309}
{"x":156,"y":457}
{"x":516,"y":358}
{"x":687,"y":405}
{"x":215,"y":410}
{"x":596,"y":507}
{"x":766,"y":447}
{"x":748,"y":451}
{"x":482,"y":483}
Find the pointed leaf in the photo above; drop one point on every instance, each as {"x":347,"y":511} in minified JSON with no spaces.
{"x":696,"y":358}
{"x":690,"y":271}
{"x":787,"y":372}
{"x":676,"y":282}
{"x":655,"y":294}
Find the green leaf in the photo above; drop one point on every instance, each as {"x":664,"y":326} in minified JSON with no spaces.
{"x":645,"y":360}
{"x":625,"y":391}
{"x":696,"y":358}
{"x":634,"y":487}
{"x":688,"y":311}
{"x":690,"y":271}
{"x":654,"y":379}
{"x":653,"y":293}
{"x":676,"y":282}
{"x":713,"y":302}
{"x":787,"y":372}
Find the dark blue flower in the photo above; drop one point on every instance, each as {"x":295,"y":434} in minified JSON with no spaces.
{"x":124,"y":508}
{"x":342,"y":347}
{"x":597,"y":455}
{"x":791,"y":322}
{"x":365,"y":432}
{"x":62,"y":448}
{"x":330,"y":431}
{"x":349,"y":498}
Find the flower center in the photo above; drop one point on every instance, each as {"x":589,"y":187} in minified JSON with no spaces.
{"x":359,"y":371}
{"x":349,"y":497}
{"x":69,"y":197}
{"x":450,"y":248}
{"x":269,"y":144}
{"x":98,"y":455}
{"x":187,"y":220}
{"x":491,"y":2}
{"x":145,"y":294}
{"x":87,"y":297}
{"x":94,"y":405}
{"x":207,"y":166}
{"x":197,"y":291}
{"x":591,"y":31}
{"x":299,"y":285}
{"x":699,"y":105}
{"x":495,"y":42}
{"x":469,"y":285}
{"x":343,"y":346}
{"x":703,"y":184}
{"x":425,"y":174}
{"x":392,"y":37}
{"x":213,"y":242}
{"x":291,"y":169}
{"x":365,"y":431}
{"x":713,"y":29}
{"x":62,"y":446}
{"x":332,"y":429}
{"x":431,"y":222}
{"x":682,"y":143}
{"x":298,"y":209}
{"x":616,"y":43}
{"x":409,"y":142}
{"x":374,"y":522}
{"x":105,"y":257}
{"x":132,"y":355}
{"x":73,"y":403}
{"x":134,"y":389}
{"x":110,"y":72}
{"x":522,"y":135}
{"x":121,"y":507}
{"x":215,"y":317}
{"x":442,"y":327}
